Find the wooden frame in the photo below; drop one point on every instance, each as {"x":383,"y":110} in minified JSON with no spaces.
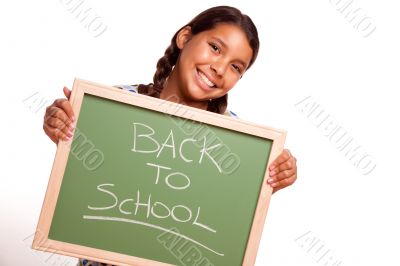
{"x":82,"y":87}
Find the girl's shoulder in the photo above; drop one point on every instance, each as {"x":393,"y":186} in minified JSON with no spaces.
{"x":231,"y":114}
{"x":134,"y":89}
{"x":131,"y":88}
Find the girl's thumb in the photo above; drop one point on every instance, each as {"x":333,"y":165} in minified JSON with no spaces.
{"x":67,"y":92}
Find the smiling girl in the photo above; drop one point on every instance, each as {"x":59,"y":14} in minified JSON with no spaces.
{"x":204,"y":61}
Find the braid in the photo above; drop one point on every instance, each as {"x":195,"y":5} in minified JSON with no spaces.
{"x":165,"y":64}
{"x":164,"y":68}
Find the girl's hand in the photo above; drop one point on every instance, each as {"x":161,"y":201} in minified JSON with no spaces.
{"x":59,"y":120}
{"x":283,"y":171}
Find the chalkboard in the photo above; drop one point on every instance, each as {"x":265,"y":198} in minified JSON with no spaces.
{"x":149,"y":182}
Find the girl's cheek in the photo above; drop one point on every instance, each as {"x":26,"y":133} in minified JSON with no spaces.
{"x":205,"y":56}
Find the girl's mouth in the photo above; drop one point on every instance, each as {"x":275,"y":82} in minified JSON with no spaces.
{"x":204,"y":78}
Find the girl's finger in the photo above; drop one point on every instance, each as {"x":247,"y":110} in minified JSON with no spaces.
{"x":67,"y":92}
{"x":49,"y":132}
{"x":290,"y":164}
{"x":66,"y":107}
{"x":283,"y":157}
{"x":282,"y":175}
{"x":290,"y":173}
{"x":54,"y":122}
{"x":54,"y":133}
{"x":284,"y":182}
{"x":56,"y":112}
{"x":56,"y":118}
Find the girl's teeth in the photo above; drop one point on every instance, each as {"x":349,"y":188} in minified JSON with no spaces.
{"x":206,"y":80}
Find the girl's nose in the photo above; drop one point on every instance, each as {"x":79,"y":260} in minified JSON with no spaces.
{"x":218,"y":67}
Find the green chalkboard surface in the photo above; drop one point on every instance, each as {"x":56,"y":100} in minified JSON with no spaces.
{"x":146,"y":184}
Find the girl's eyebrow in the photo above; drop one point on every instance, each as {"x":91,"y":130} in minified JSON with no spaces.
{"x":222,"y":43}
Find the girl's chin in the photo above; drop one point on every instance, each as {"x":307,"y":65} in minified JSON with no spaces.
{"x":199,"y":97}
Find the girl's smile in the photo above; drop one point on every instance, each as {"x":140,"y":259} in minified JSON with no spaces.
{"x":204,"y":82}
{"x":209,"y":65}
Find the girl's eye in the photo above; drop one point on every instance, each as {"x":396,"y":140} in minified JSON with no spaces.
{"x":214,"y":47}
{"x":237,"y":68}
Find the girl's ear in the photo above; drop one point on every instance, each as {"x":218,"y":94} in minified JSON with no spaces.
{"x":183,"y":36}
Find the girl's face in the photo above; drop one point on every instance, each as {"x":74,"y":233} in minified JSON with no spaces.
{"x":210,"y":63}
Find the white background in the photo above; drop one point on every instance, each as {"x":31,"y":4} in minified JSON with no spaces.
{"x":308,"y":48}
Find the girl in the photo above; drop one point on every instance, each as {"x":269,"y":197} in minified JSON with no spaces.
{"x":204,"y":61}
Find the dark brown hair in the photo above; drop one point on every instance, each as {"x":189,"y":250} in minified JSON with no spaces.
{"x":206,"y":20}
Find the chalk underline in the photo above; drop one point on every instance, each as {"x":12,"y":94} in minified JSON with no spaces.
{"x":106,"y":218}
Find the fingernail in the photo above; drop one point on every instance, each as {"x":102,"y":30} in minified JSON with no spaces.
{"x":274,"y":185}
{"x":270,"y":181}
{"x":272,"y":173}
{"x":272,"y":167}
